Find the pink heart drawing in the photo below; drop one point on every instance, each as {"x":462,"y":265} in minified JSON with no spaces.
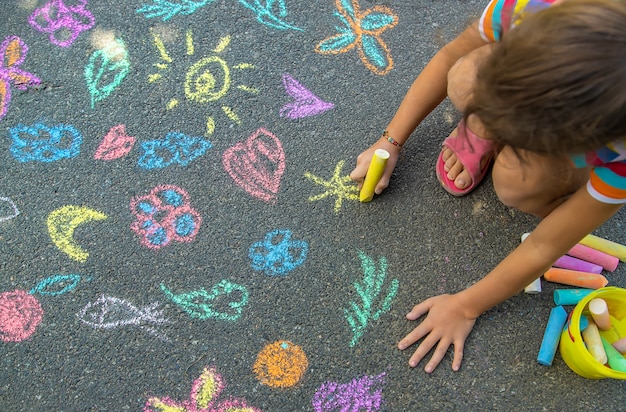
{"x":115,"y":144}
{"x":257,"y":165}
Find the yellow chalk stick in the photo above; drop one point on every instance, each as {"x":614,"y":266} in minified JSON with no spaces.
{"x":374,"y":173}
{"x":606,"y":246}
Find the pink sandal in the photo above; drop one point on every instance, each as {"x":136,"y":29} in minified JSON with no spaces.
{"x":469,"y":149}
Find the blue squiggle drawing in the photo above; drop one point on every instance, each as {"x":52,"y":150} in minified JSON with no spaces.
{"x":56,"y":285}
{"x":176,"y":148}
{"x":64,"y":142}
{"x":264,"y":13}
{"x":277,"y":254}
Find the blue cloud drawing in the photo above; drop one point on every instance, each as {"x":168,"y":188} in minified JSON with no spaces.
{"x":176,"y":148}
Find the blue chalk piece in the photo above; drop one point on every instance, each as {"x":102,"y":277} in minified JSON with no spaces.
{"x":570,"y":296}
{"x":552,"y":335}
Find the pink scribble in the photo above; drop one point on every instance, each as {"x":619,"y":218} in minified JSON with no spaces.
{"x":12,"y":54}
{"x":257,"y":165}
{"x":305,"y":102}
{"x":115,"y":144}
{"x":20,"y":313}
{"x":164,"y":216}
{"x":55,"y":17}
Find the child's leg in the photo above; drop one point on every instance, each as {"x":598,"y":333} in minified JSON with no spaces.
{"x":535,"y":183}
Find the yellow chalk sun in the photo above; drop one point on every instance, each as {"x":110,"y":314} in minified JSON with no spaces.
{"x":207,"y":80}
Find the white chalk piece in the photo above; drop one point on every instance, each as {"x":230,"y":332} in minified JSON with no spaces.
{"x":600,"y":313}
{"x":592,"y":339}
{"x":535,"y":286}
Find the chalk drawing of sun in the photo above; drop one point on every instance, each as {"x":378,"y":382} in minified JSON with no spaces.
{"x":207,"y":80}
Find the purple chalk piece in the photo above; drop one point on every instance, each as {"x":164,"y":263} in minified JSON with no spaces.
{"x":305,"y":103}
{"x":568,"y":262}
{"x":361,"y":394}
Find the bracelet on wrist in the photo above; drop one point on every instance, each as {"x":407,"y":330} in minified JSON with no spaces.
{"x":391,"y":139}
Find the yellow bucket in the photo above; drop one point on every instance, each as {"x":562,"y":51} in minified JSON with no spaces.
{"x":573,"y":350}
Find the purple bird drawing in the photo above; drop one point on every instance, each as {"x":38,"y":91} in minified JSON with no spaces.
{"x":305,"y":103}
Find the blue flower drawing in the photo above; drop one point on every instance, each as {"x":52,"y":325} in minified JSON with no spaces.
{"x":278,"y":254}
{"x":176,"y":148}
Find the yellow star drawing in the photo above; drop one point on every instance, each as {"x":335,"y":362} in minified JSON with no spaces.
{"x":342,"y":187}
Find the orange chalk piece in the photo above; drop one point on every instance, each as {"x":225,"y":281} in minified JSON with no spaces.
{"x":620,"y":345}
{"x":600,"y":313}
{"x":591,"y":336}
{"x":606,"y":246}
{"x":575,"y":278}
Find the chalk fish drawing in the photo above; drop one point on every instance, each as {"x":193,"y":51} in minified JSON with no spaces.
{"x":14,"y":210}
{"x":106,"y":69}
{"x":361,"y":394}
{"x":109,"y":312}
{"x":265,"y":13}
{"x":41,"y":143}
{"x":278,"y":254}
{"x":63,"y":23}
{"x":305,"y":102}
{"x":280,"y":364}
{"x":63,"y":222}
{"x":56,"y":285}
{"x":362,"y":29}
{"x":12,"y":54}
{"x":164,"y":216}
{"x":20,"y":314}
{"x":207,"y":80}
{"x":369,"y":289}
{"x":176,"y":148}
{"x":203,"y":397}
{"x":340,"y":186}
{"x":115,"y":144}
{"x":202,"y":304}
{"x":257,"y":165}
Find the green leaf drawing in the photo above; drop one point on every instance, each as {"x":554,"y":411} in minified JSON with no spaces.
{"x":105,"y":70}
{"x":369,"y":290}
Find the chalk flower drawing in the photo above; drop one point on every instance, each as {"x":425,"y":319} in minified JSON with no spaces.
{"x":265,"y":13}
{"x":207,"y":80}
{"x":62,"y":223}
{"x":164,"y":216}
{"x":203,"y":397}
{"x":341,"y":186}
{"x":12,"y":54}
{"x":20,"y":314}
{"x":204,"y":305}
{"x":305,"y":102}
{"x":106,"y":69}
{"x":41,"y":143}
{"x":362,"y":29}
{"x":63,"y":23}
{"x":109,"y":312}
{"x":278,"y":254}
{"x":369,"y":290}
{"x":361,"y":394}
{"x":257,"y":164}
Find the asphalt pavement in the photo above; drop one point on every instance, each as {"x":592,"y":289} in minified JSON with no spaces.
{"x":177,"y":228}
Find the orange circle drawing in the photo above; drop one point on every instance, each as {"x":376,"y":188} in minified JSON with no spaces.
{"x":280,"y":364}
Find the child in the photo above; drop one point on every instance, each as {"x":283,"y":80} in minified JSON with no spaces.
{"x":542,"y":92}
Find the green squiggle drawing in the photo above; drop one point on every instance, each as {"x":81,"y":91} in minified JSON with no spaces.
{"x":112,"y":61}
{"x":369,"y":289}
{"x":199,"y":303}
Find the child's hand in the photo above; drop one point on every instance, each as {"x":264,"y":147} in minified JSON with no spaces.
{"x":364,"y":159}
{"x":447,"y":323}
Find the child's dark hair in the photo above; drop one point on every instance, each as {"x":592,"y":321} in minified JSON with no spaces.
{"x":556,"y":83}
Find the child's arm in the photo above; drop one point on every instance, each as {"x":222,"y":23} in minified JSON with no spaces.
{"x":451,"y":317}
{"x":427,"y":92}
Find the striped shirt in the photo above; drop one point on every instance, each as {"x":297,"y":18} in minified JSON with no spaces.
{"x":607,"y":182}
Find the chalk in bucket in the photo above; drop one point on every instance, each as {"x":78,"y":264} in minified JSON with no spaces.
{"x":572,"y":347}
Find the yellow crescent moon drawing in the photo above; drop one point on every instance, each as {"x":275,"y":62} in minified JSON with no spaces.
{"x":61,"y":225}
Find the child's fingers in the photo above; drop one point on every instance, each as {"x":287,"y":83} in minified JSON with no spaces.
{"x":422,"y":350}
{"x":419,"y":310}
{"x":458,"y":355}
{"x":438,"y":354}
{"x":359,"y":172}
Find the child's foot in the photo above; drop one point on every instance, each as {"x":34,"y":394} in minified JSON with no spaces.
{"x":463,"y":161}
